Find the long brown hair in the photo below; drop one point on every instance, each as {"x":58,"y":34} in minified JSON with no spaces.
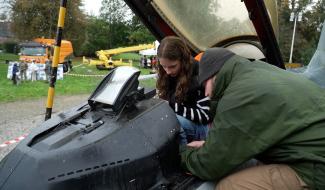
{"x":173,"y":48}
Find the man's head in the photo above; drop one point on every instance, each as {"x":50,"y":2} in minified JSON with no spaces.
{"x":211,"y":62}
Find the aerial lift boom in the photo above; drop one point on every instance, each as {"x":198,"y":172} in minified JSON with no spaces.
{"x":105,"y":56}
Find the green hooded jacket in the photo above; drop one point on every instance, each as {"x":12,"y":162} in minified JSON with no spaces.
{"x":262,"y":112}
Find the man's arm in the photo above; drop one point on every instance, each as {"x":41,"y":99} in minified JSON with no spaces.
{"x":225,"y":149}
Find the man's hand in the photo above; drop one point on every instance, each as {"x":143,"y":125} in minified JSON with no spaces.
{"x":196,"y":144}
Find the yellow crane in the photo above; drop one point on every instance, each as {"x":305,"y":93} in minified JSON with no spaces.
{"x":105,"y":56}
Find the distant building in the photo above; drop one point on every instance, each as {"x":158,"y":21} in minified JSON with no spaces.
{"x":5,"y":32}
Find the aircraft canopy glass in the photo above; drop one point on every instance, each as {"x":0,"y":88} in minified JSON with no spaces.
{"x":206,"y":23}
{"x":114,"y":86}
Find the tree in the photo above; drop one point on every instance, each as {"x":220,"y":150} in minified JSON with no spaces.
{"x":4,"y":10}
{"x":124,"y":28}
{"x":38,"y":18}
{"x":316,"y":17}
{"x":75,"y":24}
{"x":116,"y":27}
{"x":285,"y":30}
{"x":3,"y":17}
{"x":138,"y":33}
{"x":96,"y":36}
{"x":116,"y":13}
{"x":307,"y":31}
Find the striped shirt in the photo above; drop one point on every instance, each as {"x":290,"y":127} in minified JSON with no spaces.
{"x":198,"y":113}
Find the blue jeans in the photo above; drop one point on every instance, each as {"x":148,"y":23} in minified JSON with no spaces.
{"x":191,"y":131}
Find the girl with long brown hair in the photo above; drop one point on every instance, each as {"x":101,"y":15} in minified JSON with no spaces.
{"x":178,"y":84}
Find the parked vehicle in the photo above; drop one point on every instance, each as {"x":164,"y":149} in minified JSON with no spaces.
{"x":40,"y":50}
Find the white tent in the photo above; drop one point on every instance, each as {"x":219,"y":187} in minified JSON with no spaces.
{"x":150,"y":52}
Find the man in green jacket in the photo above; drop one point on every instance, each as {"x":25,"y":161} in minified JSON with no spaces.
{"x":262,"y":112}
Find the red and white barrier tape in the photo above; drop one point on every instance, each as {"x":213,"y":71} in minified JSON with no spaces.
{"x":141,"y":77}
{"x":16,"y":140}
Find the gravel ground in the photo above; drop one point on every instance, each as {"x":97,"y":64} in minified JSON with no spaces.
{"x":19,"y":118}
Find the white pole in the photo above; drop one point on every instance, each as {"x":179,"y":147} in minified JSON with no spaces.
{"x":293,"y":38}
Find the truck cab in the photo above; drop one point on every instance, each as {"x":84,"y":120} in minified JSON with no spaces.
{"x":33,"y":51}
{"x":41,"y":50}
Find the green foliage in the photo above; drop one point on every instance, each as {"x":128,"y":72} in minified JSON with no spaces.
{"x":307,"y":31}
{"x":74,"y":25}
{"x":114,"y":13}
{"x":96,"y":36}
{"x":124,"y":27}
{"x":139,"y":34}
{"x":38,"y":18}
{"x":110,"y":31}
{"x":3,"y":16}
{"x":8,"y":56}
{"x":10,"y":47}
{"x":118,"y":33}
{"x":101,"y":36}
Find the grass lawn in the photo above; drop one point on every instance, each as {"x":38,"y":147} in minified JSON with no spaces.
{"x":133,"y":56}
{"x":8,"y":56}
{"x":70,"y":85}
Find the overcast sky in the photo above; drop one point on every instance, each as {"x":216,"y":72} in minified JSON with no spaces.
{"x":92,"y":6}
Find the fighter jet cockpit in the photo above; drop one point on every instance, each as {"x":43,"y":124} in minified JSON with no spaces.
{"x":121,"y":138}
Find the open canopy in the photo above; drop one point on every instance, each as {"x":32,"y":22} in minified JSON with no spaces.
{"x":215,"y":23}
